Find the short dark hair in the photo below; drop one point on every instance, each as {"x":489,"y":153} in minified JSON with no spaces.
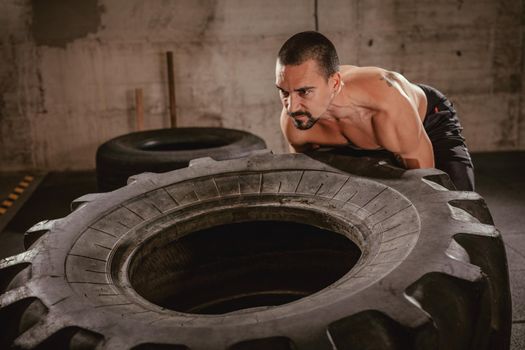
{"x":310,"y":45}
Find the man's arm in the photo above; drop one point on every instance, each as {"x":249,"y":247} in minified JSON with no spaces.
{"x":397,"y":125}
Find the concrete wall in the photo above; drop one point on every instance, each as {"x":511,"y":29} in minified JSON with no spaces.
{"x":68,"y":68}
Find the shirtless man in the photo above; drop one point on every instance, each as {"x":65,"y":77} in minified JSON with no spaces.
{"x":369,"y":108}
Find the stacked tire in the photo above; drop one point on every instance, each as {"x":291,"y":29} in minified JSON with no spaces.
{"x":163,"y":150}
{"x":264,"y":252}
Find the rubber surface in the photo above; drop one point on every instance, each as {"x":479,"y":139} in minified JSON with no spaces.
{"x":432,"y":272}
{"x":167,"y":149}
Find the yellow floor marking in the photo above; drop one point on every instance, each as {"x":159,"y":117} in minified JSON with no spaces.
{"x":19,"y":189}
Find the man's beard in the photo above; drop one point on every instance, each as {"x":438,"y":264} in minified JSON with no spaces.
{"x":310,"y":121}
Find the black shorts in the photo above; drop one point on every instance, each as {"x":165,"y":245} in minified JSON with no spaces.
{"x":444,"y":131}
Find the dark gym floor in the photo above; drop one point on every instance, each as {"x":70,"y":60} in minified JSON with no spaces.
{"x":500,"y":180}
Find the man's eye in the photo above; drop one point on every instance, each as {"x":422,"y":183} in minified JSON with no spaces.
{"x":305,"y":92}
{"x":284,"y":93}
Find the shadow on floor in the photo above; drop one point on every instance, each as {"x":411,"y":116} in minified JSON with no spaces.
{"x":500,"y":179}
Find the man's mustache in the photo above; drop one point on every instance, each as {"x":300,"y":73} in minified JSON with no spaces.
{"x":300,"y":113}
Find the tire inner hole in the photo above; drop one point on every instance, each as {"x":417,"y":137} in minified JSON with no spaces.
{"x":240,"y":266}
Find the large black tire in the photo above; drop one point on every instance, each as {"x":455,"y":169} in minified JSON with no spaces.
{"x":163,"y":150}
{"x":193,"y":259}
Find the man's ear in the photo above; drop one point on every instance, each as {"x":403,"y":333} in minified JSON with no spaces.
{"x":335,"y":81}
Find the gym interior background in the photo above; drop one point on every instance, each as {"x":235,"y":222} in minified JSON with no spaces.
{"x":69,"y":69}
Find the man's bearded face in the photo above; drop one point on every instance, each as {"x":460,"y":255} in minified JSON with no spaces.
{"x":304,"y":92}
{"x":303,"y":120}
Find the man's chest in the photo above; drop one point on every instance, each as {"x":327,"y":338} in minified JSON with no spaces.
{"x":356,"y":127}
{"x":338,"y":133}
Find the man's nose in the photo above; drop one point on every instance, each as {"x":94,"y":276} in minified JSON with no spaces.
{"x":294,"y":104}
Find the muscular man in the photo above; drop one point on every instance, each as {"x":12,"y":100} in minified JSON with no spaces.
{"x":369,"y":108}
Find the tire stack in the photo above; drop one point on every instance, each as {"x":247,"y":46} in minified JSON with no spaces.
{"x":264,"y":252}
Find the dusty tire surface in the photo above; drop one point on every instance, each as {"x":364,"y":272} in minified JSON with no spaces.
{"x":167,"y":149}
{"x":185,"y":259}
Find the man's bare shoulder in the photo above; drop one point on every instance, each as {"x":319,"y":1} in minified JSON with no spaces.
{"x":363,"y":76}
{"x":362,"y":83}
{"x":355,"y":74}
{"x":371,"y":85}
